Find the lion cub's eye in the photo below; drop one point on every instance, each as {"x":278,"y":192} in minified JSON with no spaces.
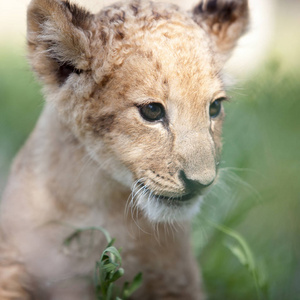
{"x":152,"y":112}
{"x":215,"y":108}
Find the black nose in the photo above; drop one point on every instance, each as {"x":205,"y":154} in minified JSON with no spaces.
{"x":192,"y":185}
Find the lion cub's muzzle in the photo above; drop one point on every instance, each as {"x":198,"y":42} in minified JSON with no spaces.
{"x":191,"y":189}
{"x":166,"y":198}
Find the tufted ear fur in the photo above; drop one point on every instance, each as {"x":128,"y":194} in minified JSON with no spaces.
{"x":58,"y":39}
{"x":224,"y":20}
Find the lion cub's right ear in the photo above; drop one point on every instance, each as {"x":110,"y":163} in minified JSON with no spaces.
{"x":225,"y":21}
{"x":58,"y":39}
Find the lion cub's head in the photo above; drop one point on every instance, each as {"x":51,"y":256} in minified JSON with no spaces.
{"x":140,"y":85}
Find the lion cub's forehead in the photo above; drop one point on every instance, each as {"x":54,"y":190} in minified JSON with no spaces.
{"x":160,"y":49}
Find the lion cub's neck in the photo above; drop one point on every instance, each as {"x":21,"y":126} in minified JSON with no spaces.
{"x":66,"y":171}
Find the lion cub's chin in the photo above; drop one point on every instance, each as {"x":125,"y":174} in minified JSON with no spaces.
{"x":168,"y":211}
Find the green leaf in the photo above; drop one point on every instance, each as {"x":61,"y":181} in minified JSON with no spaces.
{"x":113,"y":250}
{"x":130,"y":288}
{"x":71,"y":237}
{"x":112,"y":241}
{"x":109,"y":292}
{"x":119,"y":273}
{"x":238,"y":253}
{"x":104,"y":231}
{"x":243,"y":253}
{"x":241,"y":241}
{"x":104,"y":257}
{"x":77,"y":232}
{"x":110,"y":267}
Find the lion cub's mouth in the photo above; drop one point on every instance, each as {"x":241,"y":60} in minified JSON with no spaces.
{"x":177,"y":199}
{"x":166,"y":208}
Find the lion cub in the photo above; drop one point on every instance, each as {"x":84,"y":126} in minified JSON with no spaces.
{"x":129,"y":140}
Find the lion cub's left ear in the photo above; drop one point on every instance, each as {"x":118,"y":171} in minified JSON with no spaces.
{"x":224,"y":20}
{"x":58,"y":39}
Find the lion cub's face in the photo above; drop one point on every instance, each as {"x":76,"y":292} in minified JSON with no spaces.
{"x":162,"y":120}
{"x":144,"y":95}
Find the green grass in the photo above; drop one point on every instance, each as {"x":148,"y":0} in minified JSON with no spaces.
{"x":261,"y":197}
{"x":108,"y":269}
{"x":257,"y":202}
{"x":20,"y":103}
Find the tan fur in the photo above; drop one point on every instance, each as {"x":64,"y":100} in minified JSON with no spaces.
{"x":91,"y":145}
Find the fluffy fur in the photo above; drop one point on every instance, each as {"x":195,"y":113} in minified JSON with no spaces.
{"x":93,"y":160}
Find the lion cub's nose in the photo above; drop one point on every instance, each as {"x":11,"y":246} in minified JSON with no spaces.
{"x":192,"y":185}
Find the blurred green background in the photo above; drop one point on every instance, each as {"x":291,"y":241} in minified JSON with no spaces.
{"x":255,"y":254}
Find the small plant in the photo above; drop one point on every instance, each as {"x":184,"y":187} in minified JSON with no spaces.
{"x":109,"y":269}
{"x":241,"y":250}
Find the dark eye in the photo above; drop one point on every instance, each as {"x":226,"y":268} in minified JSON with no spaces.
{"x":215,"y":108}
{"x":152,"y":112}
